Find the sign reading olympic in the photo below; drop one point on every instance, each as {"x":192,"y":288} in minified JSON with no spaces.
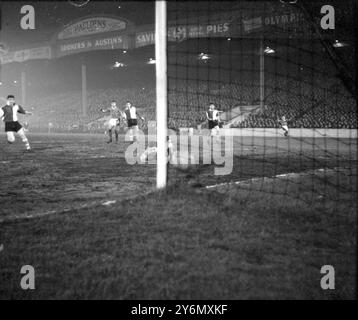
{"x":91,"y":26}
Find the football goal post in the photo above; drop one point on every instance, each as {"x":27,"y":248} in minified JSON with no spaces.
{"x":161,"y":90}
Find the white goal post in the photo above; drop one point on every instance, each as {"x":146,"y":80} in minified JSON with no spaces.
{"x":161,"y":90}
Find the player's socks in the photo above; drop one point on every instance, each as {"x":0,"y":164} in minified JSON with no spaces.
{"x":110,"y":136}
{"x":27,"y":144}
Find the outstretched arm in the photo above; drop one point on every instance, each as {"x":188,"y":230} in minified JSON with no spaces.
{"x":139,"y":115}
{"x":23,"y":111}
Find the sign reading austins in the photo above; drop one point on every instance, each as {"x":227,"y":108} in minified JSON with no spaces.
{"x":100,"y":43}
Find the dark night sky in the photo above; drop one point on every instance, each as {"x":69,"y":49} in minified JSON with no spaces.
{"x":64,"y":73}
{"x":53,"y":15}
{"x":59,"y":75}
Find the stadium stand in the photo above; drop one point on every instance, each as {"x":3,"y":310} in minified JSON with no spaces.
{"x":310,"y":99}
{"x":329,"y":107}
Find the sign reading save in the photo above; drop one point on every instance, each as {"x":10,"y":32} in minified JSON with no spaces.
{"x":90,"y":26}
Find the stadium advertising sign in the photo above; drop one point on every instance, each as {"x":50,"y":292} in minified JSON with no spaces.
{"x":3,"y":49}
{"x":99,"y":43}
{"x":292,"y":22}
{"x":181,"y":33}
{"x":291,"y":18}
{"x":144,"y":38}
{"x":27,"y":54}
{"x":92,"y":26}
{"x":217,"y":30}
{"x":276,"y":20}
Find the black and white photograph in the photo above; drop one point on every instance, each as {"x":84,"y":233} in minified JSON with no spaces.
{"x":178,"y":152}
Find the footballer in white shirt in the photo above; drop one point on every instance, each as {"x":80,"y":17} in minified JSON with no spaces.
{"x":131,"y":115}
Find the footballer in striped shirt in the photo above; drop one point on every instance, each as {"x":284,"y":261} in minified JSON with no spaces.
{"x":9,"y":114}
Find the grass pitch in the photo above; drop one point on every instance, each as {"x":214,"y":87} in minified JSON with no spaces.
{"x":93,"y":227}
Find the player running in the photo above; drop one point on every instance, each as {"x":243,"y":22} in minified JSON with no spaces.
{"x":131,"y":114}
{"x":8,"y":114}
{"x":284,"y":125}
{"x":113,"y":123}
{"x":212,"y":115}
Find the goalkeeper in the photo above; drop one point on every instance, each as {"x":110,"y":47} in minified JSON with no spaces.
{"x":151,"y":152}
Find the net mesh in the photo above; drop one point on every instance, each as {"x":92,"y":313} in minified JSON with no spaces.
{"x":259,"y":61}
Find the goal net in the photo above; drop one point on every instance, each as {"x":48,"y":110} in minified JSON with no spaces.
{"x":283,"y":84}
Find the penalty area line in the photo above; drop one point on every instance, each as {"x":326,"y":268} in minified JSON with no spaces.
{"x":279,"y":176}
{"x":29,"y":216}
{"x":93,"y":204}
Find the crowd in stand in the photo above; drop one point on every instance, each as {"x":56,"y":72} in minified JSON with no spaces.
{"x":63,"y":112}
{"x":307,"y":103}
{"x":330,"y":106}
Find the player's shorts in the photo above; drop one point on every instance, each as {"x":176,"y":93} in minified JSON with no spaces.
{"x":213,"y":124}
{"x":132,"y":123}
{"x":113,"y":122}
{"x":12,"y":126}
{"x":285,"y":128}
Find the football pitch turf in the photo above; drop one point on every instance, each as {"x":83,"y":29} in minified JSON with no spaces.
{"x":93,"y":226}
